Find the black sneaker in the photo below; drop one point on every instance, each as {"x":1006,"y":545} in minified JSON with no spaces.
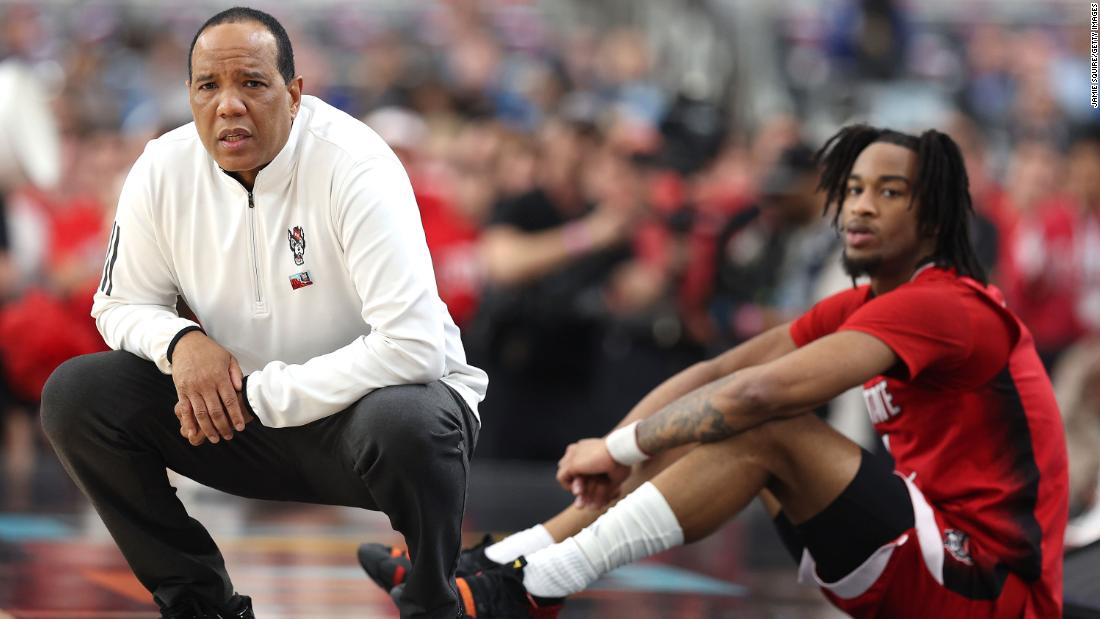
{"x":389,"y":565}
{"x":473,"y":560}
{"x":238,"y":607}
{"x":498,"y":593}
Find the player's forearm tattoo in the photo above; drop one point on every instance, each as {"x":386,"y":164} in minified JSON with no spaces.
{"x":692,"y":418}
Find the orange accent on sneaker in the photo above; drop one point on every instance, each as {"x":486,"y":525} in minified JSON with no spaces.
{"x":396,"y":552}
{"x":467,"y":597}
{"x":398,"y":575}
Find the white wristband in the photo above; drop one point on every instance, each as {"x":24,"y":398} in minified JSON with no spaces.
{"x":623,"y":446}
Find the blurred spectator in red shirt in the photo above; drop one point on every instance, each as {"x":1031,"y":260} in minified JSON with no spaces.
{"x":50,"y":322}
{"x":1084,"y":186}
{"x":1036,"y":266}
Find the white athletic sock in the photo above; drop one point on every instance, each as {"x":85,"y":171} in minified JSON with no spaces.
{"x":640,"y":525}
{"x":517,"y":544}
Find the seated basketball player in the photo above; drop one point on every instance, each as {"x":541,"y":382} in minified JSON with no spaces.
{"x":969,"y":521}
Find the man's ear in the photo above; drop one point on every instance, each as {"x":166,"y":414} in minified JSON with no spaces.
{"x":295,"y":90}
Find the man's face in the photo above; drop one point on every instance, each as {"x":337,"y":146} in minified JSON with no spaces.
{"x":878,"y":220}
{"x":242,"y":107}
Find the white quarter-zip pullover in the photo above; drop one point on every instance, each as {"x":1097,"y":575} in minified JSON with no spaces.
{"x":318,"y":281}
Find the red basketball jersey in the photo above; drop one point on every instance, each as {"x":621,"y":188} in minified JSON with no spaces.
{"x":969,"y":414}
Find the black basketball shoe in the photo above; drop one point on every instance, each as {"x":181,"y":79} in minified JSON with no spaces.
{"x":389,"y":565}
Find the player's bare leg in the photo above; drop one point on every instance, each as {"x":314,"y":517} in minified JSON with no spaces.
{"x":801,"y":462}
{"x":706,"y":464}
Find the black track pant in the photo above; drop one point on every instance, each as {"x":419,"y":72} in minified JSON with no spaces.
{"x":403,"y":450}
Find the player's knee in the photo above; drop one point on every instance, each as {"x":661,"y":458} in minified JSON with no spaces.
{"x":769,"y":443}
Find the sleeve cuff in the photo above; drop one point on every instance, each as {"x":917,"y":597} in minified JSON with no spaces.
{"x":247,"y":402}
{"x":182,"y":332}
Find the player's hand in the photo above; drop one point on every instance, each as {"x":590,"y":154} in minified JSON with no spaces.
{"x":208,"y":382}
{"x":588,"y":471}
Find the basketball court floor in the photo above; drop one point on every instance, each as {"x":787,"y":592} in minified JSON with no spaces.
{"x":298,"y":561}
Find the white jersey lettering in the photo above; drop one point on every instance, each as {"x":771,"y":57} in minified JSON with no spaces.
{"x":880,"y":403}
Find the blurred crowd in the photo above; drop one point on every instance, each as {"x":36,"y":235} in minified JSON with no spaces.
{"x":610,"y":193}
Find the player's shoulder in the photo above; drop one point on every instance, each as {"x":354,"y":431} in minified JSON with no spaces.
{"x":828,"y":314}
{"x":339,"y":135}
{"x":936,"y":294}
{"x":845,"y":301}
{"x":934,"y":281}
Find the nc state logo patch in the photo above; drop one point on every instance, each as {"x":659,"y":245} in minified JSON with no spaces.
{"x":297,"y":238}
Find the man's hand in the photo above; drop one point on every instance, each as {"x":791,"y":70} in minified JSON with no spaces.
{"x":588,"y":471}
{"x":208,"y":382}
{"x":196,"y":438}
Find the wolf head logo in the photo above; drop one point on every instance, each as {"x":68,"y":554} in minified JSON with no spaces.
{"x":958,"y":544}
{"x":297,"y":238}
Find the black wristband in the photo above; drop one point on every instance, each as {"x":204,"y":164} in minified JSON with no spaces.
{"x":184,"y":331}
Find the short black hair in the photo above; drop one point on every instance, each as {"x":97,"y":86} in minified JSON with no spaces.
{"x":941,"y":188}
{"x":284,"y":53}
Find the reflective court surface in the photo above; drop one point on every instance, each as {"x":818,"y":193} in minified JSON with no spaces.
{"x":57,"y":561}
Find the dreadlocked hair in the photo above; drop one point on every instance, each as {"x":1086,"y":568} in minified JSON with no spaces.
{"x":941,"y":189}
